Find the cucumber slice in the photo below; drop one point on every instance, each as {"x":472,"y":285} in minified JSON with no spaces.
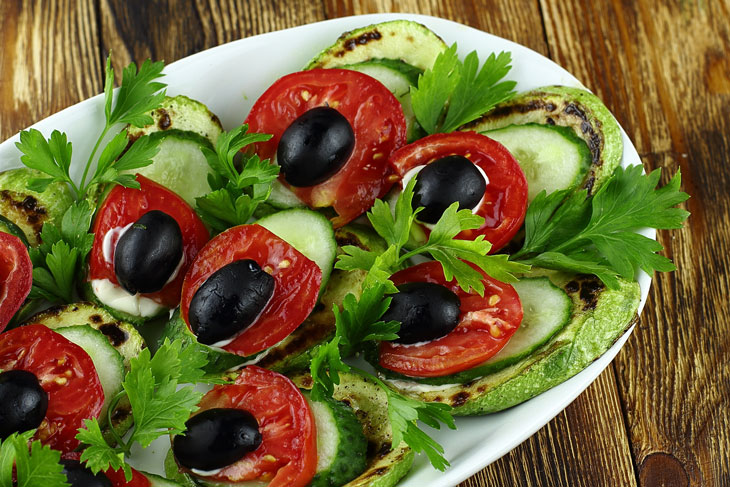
{"x":552,"y":157}
{"x":180,"y":164}
{"x":183,"y":114}
{"x":578,"y":109}
{"x":157,"y":481}
{"x":283,"y":198}
{"x":398,"y":77}
{"x":341,"y":444}
{"x":108,"y":362}
{"x":547,"y":309}
{"x":307,"y":231}
{"x":405,"y":40}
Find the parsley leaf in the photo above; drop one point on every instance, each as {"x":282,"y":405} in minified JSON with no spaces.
{"x":138,"y":95}
{"x":453,"y":93}
{"x":58,"y":260}
{"x":236,"y":193}
{"x":325,"y":368}
{"x":159,"y":405}
{"x":595,"y":235}
{"x":360,"y":319}
{"x":457,"y":257}
{"x":34,"y":465}
{"x":51,"y":157}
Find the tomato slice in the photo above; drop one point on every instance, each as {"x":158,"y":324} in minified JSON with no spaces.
{"x":505,"y":199}
{"x":377,"y":120}
{"x":296,"y":283}
{"x":16,"y":276}
{"x":485,"y":325}
{"x":119,"y":480}
{"x":287,"y":455}
{"x":67,"y":374}
{"x":126,"y":205}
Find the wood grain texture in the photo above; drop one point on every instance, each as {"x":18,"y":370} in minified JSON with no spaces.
{"x":669,"y":89}
{"x":49,"y":59}
{"x":170,"y":30}
{"x":660,"y":414}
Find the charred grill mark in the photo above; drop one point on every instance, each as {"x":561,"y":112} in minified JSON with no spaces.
{"x":384,"y":449}
{"x":114,"y":332}
{"x":121,"y":413}
{"x":164,"y":121}
{"x":459,"y":399}
{"x":588,"y":289}
{"x":35,"y":214}
{"x":311,"y":332}
{"x":362,"y":39}
{"x":96,"y":318}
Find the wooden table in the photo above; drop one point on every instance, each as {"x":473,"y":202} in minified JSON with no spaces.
{"x":660,"y":414}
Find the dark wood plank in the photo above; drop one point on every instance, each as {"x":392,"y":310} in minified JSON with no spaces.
{"x":48,"y":59}
{"x":587,"y":443}
{"x":665,"y":72}
{"x":170,"y":29}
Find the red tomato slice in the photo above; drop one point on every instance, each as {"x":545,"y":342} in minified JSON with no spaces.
{"x":16,"y":276}
{"x":296,"y":283}
{"x":377,"y":120}
{"x":505,"y":199}
{"x":485,"y":325}
{"x":119,"y":480}
{"x":67,"y":374}
{"x":126,"y":205}
{"x":287,"y":455}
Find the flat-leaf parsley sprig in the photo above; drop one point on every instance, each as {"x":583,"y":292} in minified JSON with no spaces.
{"x":34,"y":465}
{"x":455,"y":255}
{"x":453,"y":93}
{"x":568,"y":231}
{"x":236,"y":192}
{"x":159,"y":406}
{"x":138,"y":95}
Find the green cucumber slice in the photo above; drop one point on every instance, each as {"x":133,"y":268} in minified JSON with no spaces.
{"x":180,"y":165}
{"x":108,"y":362}
{"x":157,"y":481}
{"x":341,"y":444}
{"x":547,"y":309}
{"x":309,"y":232}
{"x":576,"y":108}
{"x":283,"y":198}
{"x":404,"y":40}
{"x":552,"y":157}
{"x":398,"y":77}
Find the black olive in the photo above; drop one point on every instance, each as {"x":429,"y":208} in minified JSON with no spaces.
{"x":216,"y":438}
{"x":148,"y":253}
{"x":426,"y":310}
{"x":229,"y":301}
{"x":315,"y":146}
{"x":23,"y":402}
{"x":80,"y":476}
{"x":444,"y":181}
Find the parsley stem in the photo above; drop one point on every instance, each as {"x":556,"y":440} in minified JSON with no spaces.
{"x":89,"y":162}
{"x":112,"y":406}
{"x":412,"y":253}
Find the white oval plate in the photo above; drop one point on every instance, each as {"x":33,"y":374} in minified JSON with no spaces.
{"x":229,"y":78}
